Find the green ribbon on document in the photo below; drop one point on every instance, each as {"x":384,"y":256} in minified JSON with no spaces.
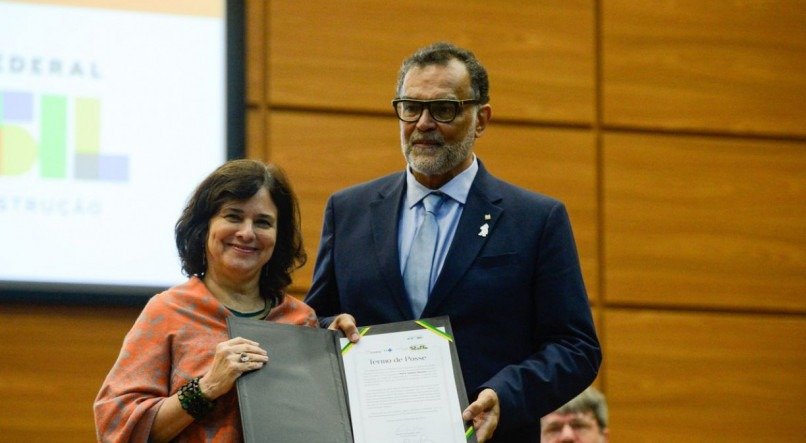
{"x":361,"y":332}
{"x":434,"y":329}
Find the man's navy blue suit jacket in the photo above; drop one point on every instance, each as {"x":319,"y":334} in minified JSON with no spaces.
{"x":515,"y":297}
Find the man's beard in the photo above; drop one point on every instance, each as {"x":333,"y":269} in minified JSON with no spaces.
{"x":445,"y":156}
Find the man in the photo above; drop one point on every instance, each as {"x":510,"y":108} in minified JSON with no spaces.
{"x":581,"y":420}
{"x":502,"y":262}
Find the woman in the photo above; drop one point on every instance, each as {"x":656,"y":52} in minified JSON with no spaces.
{"x":239,"y":240}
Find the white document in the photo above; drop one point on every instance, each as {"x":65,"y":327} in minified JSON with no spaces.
{"x":402,"y":389}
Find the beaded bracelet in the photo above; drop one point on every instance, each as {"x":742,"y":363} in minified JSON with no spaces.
{"x":193,"y":401}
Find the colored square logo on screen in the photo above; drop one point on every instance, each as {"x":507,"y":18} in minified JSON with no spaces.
{"x":54,"y":133}
{"x":18,"y":106}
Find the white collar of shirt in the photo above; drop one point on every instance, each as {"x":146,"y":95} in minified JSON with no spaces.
{"x":457,"y":188}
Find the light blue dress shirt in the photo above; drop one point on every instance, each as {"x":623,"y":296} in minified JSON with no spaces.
{"x":412,"y":212}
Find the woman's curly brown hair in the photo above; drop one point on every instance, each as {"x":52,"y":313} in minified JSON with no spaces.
{"x":239,"y":180}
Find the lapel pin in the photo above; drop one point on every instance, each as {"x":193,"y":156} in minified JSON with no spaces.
{"x":484,"y":230}
{"x":488,"y":217}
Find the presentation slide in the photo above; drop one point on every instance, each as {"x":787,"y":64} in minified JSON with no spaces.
{"x":111,"y":112}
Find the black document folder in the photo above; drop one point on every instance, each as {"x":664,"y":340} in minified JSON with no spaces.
{"x":301,"y":394}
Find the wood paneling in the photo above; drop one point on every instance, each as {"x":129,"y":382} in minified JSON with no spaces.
{"x":255,"y":56}
{"x":322,"y":153}
{"x":346,"y":55}
{"x":674,"y":376}
{"x":705,"y":66}
{"x":52,"y":363}
{"x":256,"y":134}
{"x":705,"y":222}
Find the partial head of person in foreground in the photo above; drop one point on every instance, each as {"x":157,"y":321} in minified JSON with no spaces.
{"x":583,"y":420}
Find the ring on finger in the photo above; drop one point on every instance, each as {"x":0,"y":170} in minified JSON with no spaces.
{"x":244,"y":357}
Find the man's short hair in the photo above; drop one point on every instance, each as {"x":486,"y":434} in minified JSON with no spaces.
{"x":590,"y":400}
{"x":441,"y":53}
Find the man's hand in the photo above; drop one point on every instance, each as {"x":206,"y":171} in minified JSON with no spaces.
{"x":345,"y":323}
{"x":484,"y":412}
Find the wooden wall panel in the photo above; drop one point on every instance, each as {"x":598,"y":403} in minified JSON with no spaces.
{"x":556,"y":162}
{"x":539,"y":54}
{"x":52,"y":363}
{"x":256,"y":134}
{"x":255,"y":50}
{"x":705,"y":66}
{"x":676,"y":376}
{"x":322,"y":153}
{"x":705,"y":222}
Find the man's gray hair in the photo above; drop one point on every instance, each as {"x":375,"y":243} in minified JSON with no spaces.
{"x":441,"y":53}
{"x":590,"y":400}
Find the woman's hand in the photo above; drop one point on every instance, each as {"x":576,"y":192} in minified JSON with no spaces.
{"x":346,"y":324}
{"x":232,"y":358}
{"x":227,"y":366}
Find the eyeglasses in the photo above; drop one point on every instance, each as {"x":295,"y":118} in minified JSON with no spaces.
{"x":443,"y":110}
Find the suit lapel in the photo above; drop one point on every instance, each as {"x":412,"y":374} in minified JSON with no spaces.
{"x":467,"y":243}
{"x":384,"y":213}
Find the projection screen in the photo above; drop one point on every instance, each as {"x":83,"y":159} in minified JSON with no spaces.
{"x":111,"y":112}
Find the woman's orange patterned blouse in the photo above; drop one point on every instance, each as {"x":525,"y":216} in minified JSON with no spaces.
{"x":172,"y":341}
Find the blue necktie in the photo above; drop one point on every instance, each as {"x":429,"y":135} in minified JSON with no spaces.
{"x":417,"y":273}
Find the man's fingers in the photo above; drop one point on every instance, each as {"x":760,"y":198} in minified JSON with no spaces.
{"x":346,"y":323}
{"x":484,"y":412}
